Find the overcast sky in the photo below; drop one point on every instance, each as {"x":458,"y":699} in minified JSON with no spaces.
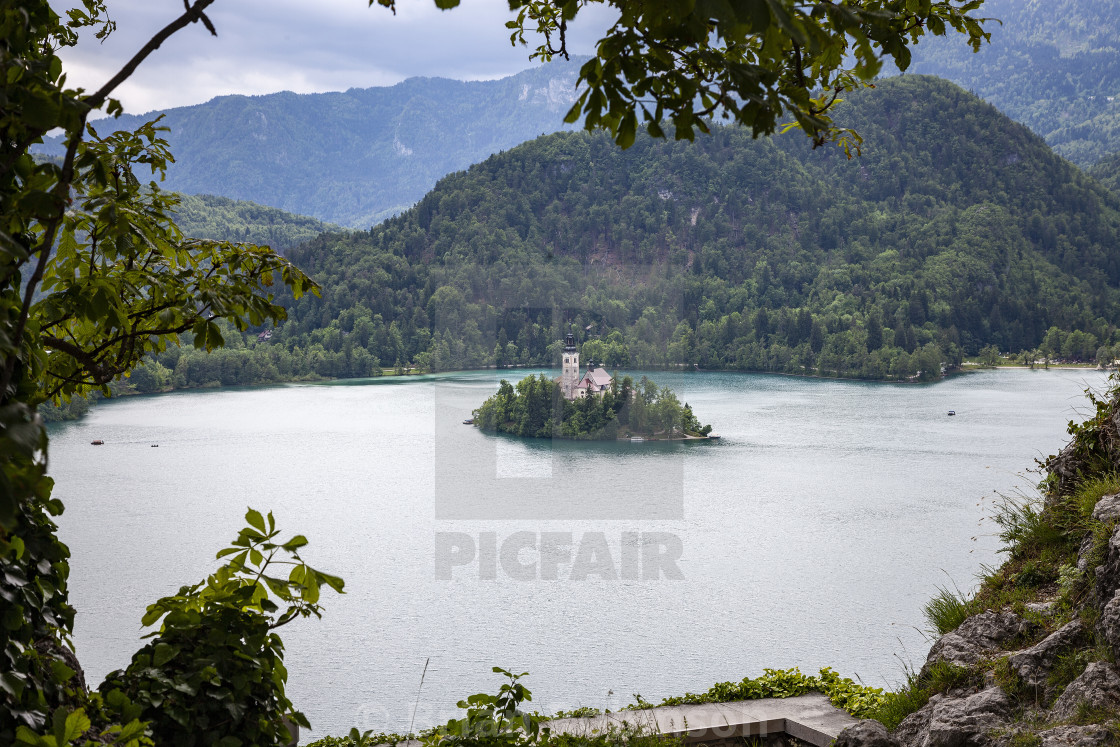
{"x":265,"y":46}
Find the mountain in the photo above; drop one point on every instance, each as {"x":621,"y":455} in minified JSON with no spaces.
{"x":957,"y":229}
{"x":1053,"y":65}
{"x":358,"y":156}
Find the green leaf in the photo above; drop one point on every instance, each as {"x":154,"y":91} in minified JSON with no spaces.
{"x":77,"y":724}
{"x":61,"y":672}
{"x":163,"y":653}
{"x":295,"y":542}
{"x":255,"y":520}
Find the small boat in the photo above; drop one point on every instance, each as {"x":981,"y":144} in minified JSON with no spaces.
{"x":952,"y":412}
{"x":468,"y":421}
{"x":636,"y":439}
{"x":713,"y":436}
{"x":98,"y":442}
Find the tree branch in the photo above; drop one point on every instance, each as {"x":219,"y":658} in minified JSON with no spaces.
{"x":193,"y":14}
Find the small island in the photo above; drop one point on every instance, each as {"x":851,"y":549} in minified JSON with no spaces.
{"x":594,"y":407}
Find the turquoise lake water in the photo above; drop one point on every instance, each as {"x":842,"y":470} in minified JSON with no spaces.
{"x":810,"y":535}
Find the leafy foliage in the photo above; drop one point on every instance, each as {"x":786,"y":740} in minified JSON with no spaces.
{"x":492,"y":719}
{"x":677,"y":63}
{"x":93,"y":277}
{"x":859,"y":700}
{"x":124,"y":280}
{"x":214,"y":672}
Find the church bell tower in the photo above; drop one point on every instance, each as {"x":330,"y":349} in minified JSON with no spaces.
{"x":570,"y":373}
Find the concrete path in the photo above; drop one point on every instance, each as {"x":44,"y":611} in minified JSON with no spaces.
{"x":810,"y":718}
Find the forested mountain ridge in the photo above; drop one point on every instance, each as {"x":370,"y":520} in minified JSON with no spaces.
{"x":223,"y":219}
{"x":1053,"y":65}
{"x":956,"y":229}
{"x":357,"y":156}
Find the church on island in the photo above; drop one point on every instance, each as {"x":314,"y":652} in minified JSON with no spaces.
{"x":572,"y":384}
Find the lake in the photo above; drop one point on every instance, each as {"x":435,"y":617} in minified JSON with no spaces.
{"x":810,"y":535}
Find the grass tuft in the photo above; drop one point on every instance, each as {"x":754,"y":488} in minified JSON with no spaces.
{"x":1092,"y":489}
{"x":947,"y":610}
{"x":939,"y":677}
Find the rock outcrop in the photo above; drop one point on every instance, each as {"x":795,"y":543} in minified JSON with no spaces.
{"x":956,"y":721}
{"x":977,"y":635}
{"x":1033,"y":665}
{"x":1098,"y":687}
{"x":1109,"y":624}
{"x":1108,"y":573}
{"x":866,"y":733}
{"x":1107,"y":508}
{"x":1076,"y":736}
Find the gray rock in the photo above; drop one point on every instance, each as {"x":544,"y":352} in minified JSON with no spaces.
{"x":1041,"y":608}
{"x":1076,"y":736}
{"x":1033,"y":665}
{"x":1098,"y":685}
{"x":1108,"y":573}
{"x":1065,"y":465}
{"x":866,"y":733}
{"x":979,"y":633}
{"x":1107,"y":508}
{"x":913,"y":729}
{"x":1109,"y":623}
{"x":1083,"y":552}
{"x":966,"y":722}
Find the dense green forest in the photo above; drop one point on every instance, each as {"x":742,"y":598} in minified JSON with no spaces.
{"x":957,"y":229}
{"x":223,"y":219}
{"x":535,"y":408}
{"x":357,"y":156}
{"x":1107,"y":172}
{"x":1053,"y":65}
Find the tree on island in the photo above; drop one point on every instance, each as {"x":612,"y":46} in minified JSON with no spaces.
{"x":94,"y":275}
{"x":536,"y":408}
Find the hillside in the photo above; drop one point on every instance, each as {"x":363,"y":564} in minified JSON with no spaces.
{"x":1107,"y":172}
{"x":956,"y":230}
{"x":223,"y":219}
{"x":358,"y":156}
{"x":1053,"y":65}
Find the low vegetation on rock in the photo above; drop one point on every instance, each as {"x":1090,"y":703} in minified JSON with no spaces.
{"x":1031,"y":657}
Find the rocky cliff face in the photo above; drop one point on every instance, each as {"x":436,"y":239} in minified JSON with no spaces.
{"x":1033,"y":661}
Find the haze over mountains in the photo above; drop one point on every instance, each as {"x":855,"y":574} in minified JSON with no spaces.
{"x":356,"y":157}
{"x":1053,"y":65}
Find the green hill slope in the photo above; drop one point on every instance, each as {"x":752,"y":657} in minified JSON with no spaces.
{"x":957,"y":229}
{"x":1053,"y":65}
{"x":1107,"y":172}
{"x":357,"y":156}
{"x":223,"y":219}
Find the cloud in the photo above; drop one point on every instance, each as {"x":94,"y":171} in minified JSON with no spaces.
{"x":265,"y":46}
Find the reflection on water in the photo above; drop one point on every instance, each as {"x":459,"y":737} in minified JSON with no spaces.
{"x":810,"y":536}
